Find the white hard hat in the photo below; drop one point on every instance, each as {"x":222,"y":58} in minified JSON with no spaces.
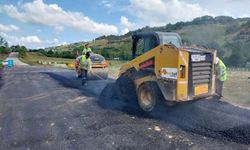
{"x":217,"y":60}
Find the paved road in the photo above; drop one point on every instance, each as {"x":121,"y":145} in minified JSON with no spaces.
{"x":47,"y":108}
{"x":17,"y":62}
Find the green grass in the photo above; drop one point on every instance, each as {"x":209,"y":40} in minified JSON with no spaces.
{"x":3,"y":57}
{"x":237,"y":89}
{"x":32,"y":58}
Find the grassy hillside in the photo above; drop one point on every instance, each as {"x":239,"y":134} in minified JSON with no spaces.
{"x":231,"y":37}
{"x":33,"y":58}
{"x":212,"y":33}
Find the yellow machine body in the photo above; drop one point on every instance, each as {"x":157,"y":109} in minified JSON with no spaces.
{"x":182,"y":74}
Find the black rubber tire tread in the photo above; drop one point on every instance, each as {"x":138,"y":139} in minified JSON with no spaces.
{"x":157,"y":97}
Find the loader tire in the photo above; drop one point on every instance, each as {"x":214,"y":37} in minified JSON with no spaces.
{"x":149,"y":96}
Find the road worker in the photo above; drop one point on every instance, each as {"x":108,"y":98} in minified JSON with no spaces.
{"x":86,"y":49}
{"x":221,"y":76}
{"x":85,"y":64}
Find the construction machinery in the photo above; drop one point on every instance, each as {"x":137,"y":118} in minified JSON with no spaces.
{"x":162,"y":69}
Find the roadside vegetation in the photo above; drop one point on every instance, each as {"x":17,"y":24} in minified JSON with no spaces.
{"x":4,"y":51}
{"x":237,"y":88}
{"x":3,"y":56}
{"x":37,"y":58}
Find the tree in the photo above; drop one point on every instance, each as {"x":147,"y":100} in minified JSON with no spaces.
{"x":4,"y":48}
{"x":3,"y":42}
{"x":236,"y":59}
{"x":50,"y":53}
{"x":21,"y":49}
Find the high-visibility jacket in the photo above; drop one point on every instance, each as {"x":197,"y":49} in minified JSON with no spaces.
{"x":85,"y":63}
{"x":221,"y":71}
{"x":85,"y":50}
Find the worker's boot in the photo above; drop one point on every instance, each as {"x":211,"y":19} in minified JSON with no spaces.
{"x":218,"y":96}
{"x":83,"y":81}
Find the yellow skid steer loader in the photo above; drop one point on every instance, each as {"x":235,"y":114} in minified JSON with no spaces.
{"x":161,"y":69}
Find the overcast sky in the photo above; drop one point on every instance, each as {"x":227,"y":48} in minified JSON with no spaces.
{"x":43,"y":23}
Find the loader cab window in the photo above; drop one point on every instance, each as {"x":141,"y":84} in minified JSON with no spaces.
{"x":149,"y":43}
{"x":144,"y":44}
{"x":171,"y":39}
{"x":139,"y":47}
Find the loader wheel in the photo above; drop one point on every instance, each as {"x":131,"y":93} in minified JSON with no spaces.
{"x":148,"y":96}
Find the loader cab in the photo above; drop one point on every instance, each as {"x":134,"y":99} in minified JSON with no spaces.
{"x":143,"y":42}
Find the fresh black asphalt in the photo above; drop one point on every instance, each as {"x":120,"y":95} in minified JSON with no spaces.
{"x":47,"y":108}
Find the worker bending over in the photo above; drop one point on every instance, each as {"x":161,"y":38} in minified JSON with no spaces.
{"x":221,"y":76}
{"x":85,"y":64}
{"x":86,"y":49}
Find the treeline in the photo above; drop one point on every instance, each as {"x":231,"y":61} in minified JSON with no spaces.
{"x":240,"y":54}
{"x":4,"y":46}
{"x":61,"y":54}
{"x":21,"y":49}
{"x":5,"y":49}
{"x":122,"y":52}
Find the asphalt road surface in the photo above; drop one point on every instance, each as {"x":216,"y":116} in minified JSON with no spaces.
{"x":17,"y":62}
{"x":47,"y":108}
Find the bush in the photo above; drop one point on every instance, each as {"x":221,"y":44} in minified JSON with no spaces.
{"x":4,"y":50}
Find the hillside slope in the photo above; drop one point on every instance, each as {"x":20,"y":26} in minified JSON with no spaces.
{"x":231,"y":37}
